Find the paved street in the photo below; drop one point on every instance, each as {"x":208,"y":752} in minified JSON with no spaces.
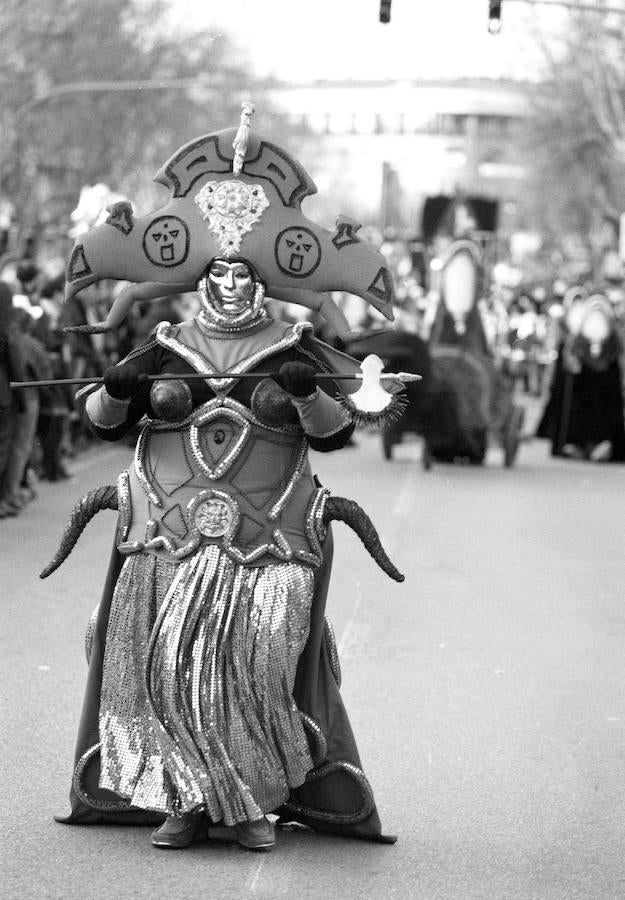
{"x":486,"y":693}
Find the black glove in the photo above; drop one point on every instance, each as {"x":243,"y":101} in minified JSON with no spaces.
{"x":123,"y":382}
{"x":297,"y":379}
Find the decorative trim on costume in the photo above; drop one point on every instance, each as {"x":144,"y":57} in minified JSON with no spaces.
{"x":124,"y":506}
{"x":230,"y":334}
{"x":338,"y":818}
{"x":226,"y":514}
{"x":315,"y":528}
{"x":333,"y":653}
{"x":320,"y":750}
{"x":228,"y":459}
{"x":228,"y":403}
{"x":141,"y":467}
{"x":139,"y":351}
{"x":81,"y":792}
{"x":130,"y":547}
{"x":230,"y":209}
{"x":89,"y":633}
{"x":201,"y":364}
{"x":296,"y":474}
{"x":282,"y":543}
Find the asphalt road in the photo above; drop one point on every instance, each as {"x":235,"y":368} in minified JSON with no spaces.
{"x":486,"y":693}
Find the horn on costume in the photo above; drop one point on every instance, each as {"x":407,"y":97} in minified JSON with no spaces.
{"x":104,"y":497}
{"x":343,"y":510}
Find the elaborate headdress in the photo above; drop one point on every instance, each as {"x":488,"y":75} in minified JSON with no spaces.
{"x":233,"y":193}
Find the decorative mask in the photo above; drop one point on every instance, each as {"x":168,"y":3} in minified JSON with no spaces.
{"x":231,"y":295}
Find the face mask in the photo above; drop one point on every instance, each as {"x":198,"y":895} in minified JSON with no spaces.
{"x":230,"y":297}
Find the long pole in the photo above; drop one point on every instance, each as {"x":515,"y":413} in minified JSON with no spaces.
{"x":404,"y":377}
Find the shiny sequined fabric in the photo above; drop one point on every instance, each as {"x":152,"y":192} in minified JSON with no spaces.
{"x":196,"y":706}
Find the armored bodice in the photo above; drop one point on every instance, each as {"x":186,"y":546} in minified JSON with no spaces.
{"x":221,"y":477}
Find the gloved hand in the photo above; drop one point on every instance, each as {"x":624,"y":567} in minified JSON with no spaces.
{"x":123,"y":382}
{"x":297,"y":379}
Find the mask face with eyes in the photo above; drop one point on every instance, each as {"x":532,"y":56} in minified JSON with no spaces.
{"x":231,"y":296}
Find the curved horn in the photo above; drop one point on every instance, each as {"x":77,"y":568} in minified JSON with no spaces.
{"x":348,"y":511}
{"x":104,"y":497}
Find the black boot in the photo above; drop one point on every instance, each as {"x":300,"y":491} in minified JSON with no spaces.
{"x":176,"y":832}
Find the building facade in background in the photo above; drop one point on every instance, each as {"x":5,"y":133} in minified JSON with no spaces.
{"x":405,"y":141}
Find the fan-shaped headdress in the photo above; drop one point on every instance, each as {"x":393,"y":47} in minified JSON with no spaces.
{"x":233,"y":193}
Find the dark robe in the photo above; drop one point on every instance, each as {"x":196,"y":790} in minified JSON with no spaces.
{"x":585,"y":408}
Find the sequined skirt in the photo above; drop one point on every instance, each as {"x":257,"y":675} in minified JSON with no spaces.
{"x":196,"y":708}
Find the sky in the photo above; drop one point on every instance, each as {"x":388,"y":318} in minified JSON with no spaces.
{"x":305,"y":40}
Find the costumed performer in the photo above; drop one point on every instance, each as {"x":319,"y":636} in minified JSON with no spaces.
{"x":583,"y":417}
{"x":213,"y":693}
{"x":474,"y":396}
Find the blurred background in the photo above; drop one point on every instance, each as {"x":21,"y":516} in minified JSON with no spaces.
{"x":530,"y":120}
{"x":497,"y":123}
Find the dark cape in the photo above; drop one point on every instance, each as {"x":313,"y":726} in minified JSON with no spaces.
{"x":585,"y":408}
{"x":336,"y":796}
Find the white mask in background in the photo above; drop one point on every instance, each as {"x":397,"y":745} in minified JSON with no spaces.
{"x":459,"y":288}
{"x":595,"y":327}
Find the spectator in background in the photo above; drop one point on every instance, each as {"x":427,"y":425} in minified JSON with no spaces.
{"x":17,"y":490}
{"x":27,"y":274}
{"x":11,"y":402}
{"x":584,"y":415}
{"x":56,"y":407}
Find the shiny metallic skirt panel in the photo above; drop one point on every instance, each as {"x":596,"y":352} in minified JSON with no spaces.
{"x":196,"y":707}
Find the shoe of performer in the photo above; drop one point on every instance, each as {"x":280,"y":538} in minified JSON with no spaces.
{"x":601,"y":452}
{"x":257,"y":835}
{"x":176,"y":832}
{"x":572,"y":451}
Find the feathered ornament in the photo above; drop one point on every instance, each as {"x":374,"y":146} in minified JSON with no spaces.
{"x":373,"y":404}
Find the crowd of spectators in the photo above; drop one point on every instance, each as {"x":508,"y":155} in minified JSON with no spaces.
{"x":40,"y":429}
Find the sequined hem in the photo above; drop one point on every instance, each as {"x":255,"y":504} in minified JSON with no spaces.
{"x":196,"y":708}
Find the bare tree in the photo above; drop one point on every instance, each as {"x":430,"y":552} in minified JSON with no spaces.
{"x":72,"y":107}
{"x":575,"y":139}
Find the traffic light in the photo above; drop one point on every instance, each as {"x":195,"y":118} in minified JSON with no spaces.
{"x":494,"y":16}
{"x":385,"y":11}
